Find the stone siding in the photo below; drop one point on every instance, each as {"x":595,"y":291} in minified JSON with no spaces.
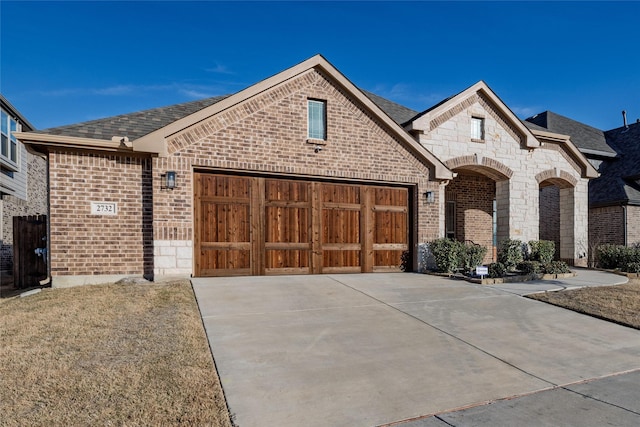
{"x":502,"y":157}
{"x":633,"y":225}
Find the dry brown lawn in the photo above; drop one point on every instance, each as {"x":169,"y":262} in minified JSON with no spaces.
{"x":620,"y":303}
{"x":133,"y":355}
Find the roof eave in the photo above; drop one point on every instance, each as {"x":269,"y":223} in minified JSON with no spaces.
{"x":61,"y":141}
{"x":589,"y":170}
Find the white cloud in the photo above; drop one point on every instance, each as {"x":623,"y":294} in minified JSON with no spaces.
{"x":219,"y":69}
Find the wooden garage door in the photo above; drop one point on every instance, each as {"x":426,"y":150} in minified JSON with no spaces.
{"x":258,"y":226}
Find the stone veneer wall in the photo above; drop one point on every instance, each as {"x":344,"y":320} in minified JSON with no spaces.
{"x":633,"y":225}
{"x":502,"y":154}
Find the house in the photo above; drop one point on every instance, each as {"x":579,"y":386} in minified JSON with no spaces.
{"x":614,"y":197}
{"x":23,"y":181}
{"x":301,"y":173}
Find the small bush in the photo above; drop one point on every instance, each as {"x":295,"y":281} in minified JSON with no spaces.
{"x":632,"y":267}
{"x":446,"y":253}
{"x":542,"y":250}
{"x":510,"y":253}
{"x":556,"y":267}
{"x":472,"y":256}
{"x":617,"y":256}
{"x":530,"y":267}
{"x":496,"y":270}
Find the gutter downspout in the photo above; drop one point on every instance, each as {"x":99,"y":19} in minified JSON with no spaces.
{"x":624,"y":219}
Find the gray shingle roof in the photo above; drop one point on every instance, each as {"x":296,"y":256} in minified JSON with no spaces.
{"x":620,"y":177}
{"x":133,"y":125}
{"x":399,"y":113}
{"x":137,"y":124}
{"x":585,"y":137}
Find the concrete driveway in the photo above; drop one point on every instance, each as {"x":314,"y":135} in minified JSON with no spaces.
{"x":377,"y":349}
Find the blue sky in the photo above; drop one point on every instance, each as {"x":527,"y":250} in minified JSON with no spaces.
{"x":67,"y":62}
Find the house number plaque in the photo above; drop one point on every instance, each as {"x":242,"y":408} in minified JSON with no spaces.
{"x":104,"y":208}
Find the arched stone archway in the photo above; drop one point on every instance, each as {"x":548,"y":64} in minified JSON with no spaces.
{"x":557,"y":211}
{"x":477,"y":202}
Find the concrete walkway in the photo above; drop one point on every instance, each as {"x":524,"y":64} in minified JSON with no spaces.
{"x":413,"y":350}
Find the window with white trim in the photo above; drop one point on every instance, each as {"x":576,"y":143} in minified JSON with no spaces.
{"x":8,"y":142}
{"x":317,"y":119}
{"x":477,"y":128}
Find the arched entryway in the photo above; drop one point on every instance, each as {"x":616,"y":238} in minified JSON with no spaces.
{"x":476,"y":202}
{"x":557,"y":211}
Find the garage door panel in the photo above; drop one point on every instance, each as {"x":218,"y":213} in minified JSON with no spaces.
{"x":285,"y":224}
{"x":278,"y":226}
{"x":340,"y":226}
{"x":225,"y":222}
{"x":232,"y":261}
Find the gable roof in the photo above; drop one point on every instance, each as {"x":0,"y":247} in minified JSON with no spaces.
{"x":10,"y":109}
{"x":619,"y":182}
{"x":148,"y":130}
{"x":421,"y":121}
{"x":588,"y":139}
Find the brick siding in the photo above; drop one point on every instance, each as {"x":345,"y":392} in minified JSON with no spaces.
{"x":474,"y":197}
{"x":550,"y":216}
{"x":266,"y":134}
{"x":85,"y":244}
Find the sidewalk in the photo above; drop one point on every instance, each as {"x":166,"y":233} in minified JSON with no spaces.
{"x":583,"y":278}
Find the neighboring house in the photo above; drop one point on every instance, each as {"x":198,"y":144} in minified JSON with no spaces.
{"x":301,"y":173}
{"x":23,"y":181}
{"x":614,"y":197}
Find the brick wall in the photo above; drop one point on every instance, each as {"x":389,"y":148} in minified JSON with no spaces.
{"x":83,"y":244}
{"x":473,"y":195}
{"x":268,"y":134}
{"x":606,"y":225}
{"x":153,"y":231}
{"x":550,"y":216}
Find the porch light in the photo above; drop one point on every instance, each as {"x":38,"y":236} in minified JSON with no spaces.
{"x":429,"y":196}
{"x":170,"y":180}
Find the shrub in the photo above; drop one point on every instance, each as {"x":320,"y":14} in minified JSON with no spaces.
{"x":471,"y":256}
{"x":510,"y":253}
{"x":497,"y":269}
{"x":446,"y":253}
{"x":556,"y":267}
{"x":542,"y":250}
{"x":632,"y":267}
{"x":530,"y":267}
{"x":617,"y":256}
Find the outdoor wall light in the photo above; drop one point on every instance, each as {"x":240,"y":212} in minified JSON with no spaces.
{"x":429,"y":196}
{"x":170,"y":180}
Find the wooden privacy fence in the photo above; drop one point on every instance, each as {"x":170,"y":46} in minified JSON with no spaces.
{"x":29,"y":250}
